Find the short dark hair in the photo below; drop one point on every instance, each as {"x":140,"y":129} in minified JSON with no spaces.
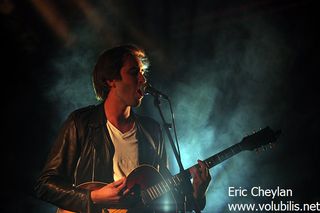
{"x":109,"y":64}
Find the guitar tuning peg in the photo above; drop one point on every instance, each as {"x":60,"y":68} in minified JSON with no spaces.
{"x":260,"y":128}
{"x":254,"y":131}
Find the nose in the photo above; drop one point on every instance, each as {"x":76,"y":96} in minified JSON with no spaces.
{"x":142,"y":79}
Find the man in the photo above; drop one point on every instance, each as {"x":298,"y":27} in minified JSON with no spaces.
{"x":105,"y":143}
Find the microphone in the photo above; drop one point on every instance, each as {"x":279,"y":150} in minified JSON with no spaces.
{"x":149,"y":90}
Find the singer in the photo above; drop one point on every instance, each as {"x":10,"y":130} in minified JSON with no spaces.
{"x":99,"y":147}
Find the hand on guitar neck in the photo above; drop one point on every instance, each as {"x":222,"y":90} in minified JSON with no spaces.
{"x":201,"y":179}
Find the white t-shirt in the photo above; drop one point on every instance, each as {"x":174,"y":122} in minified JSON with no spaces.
{"x":126,"y":156}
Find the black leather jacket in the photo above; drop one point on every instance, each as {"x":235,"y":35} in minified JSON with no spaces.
{"x":83,"y":152}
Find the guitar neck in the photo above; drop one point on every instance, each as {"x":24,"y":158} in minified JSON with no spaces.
{"x":216,"y":159}
{"x":222,"y":156}
{"x":256,"y":140}
{"x":176,"y":180}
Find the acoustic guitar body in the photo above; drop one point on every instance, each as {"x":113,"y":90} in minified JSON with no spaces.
{"x":139,"y":180}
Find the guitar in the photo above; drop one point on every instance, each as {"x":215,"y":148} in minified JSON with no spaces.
{"x":152,"y":185}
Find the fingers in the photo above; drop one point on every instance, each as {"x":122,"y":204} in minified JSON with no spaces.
{"x":111,"y":193}
{"x":121,"y":186}
{"x":201,"y":179}
{"x":204,"y":171}
{"x":200,"y":172}
{"x":119,"y":182}
{"x":125,"y":191}
{"x":196,"y":174}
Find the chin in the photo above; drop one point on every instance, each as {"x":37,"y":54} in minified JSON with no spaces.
{"x":137,"y":102}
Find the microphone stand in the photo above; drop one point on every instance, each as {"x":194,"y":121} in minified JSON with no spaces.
{"x":187,"y":189}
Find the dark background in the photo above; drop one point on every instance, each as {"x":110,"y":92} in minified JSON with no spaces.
{"x":229,"y":66}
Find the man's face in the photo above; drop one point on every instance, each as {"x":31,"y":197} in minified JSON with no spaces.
{"x":128,"y":89}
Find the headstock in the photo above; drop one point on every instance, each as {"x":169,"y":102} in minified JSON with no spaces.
{"x":263,"y":137}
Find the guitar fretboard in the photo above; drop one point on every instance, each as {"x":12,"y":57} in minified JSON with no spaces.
{"x":166,"y":185}
{"x":222,"y":156}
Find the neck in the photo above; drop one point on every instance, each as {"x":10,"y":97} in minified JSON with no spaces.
{"x":119,"y":115}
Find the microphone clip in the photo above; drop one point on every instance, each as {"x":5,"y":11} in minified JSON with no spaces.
{"x":149,"y":90}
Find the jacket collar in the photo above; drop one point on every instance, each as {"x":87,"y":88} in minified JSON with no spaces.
{"x":98,"y":118}
{"x":146,"y":145}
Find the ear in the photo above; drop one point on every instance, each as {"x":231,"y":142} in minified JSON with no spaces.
{"x":111,"y":83}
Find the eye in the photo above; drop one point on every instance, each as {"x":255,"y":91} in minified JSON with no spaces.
{"x":134,"y":71}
